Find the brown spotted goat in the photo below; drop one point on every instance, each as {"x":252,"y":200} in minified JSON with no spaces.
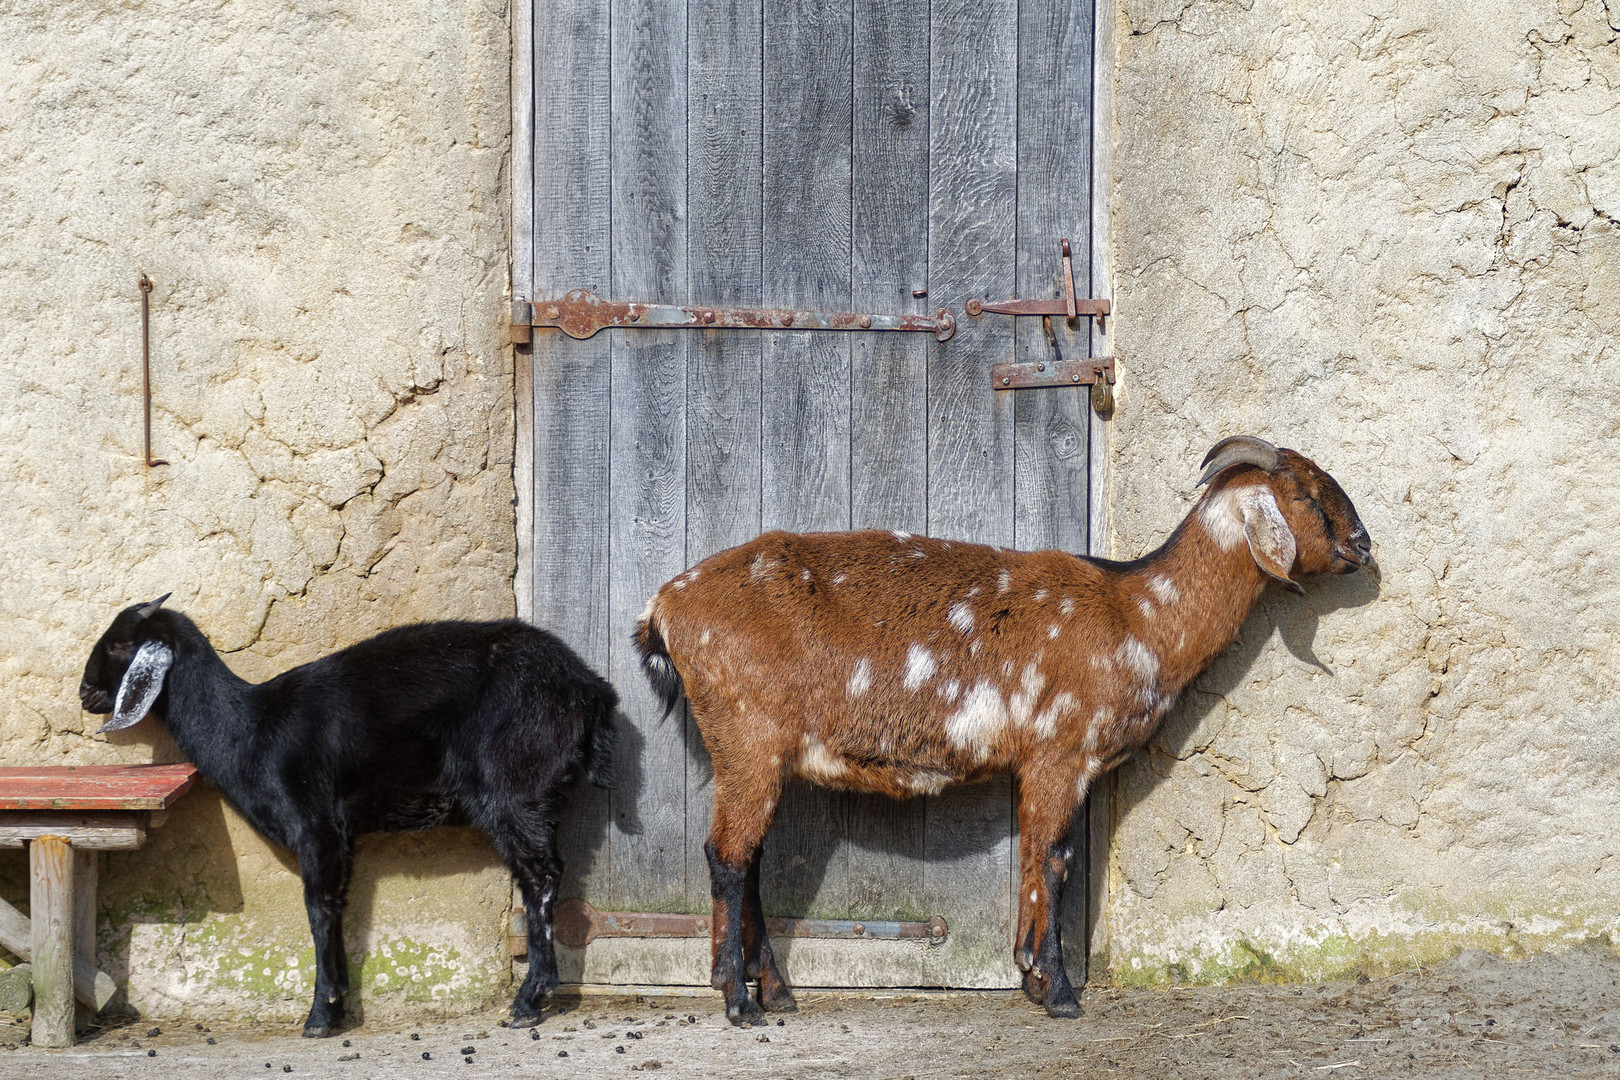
{"x":879,"y":661}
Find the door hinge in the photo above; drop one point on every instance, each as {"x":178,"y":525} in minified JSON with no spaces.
{"x":1065,"y":305}
{"x":582,"y":313}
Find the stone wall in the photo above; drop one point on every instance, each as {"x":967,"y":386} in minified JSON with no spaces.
{"x":317,"y":191}
{"x":1383,"y":234}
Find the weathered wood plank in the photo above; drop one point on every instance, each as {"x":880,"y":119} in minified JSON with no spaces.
{"x":805,"y":415}
{"x":570,"y":222}
{"x":94,"y":787}
{"x":888,"y":383}
{"x":91,"y":832}
{"x":723,"y":375}
{"x":973,"y":124}
{"x":50,"y":905}
{"x":91,"y":986}
{"x":647,"y":515}
{"x":1053,"y":426}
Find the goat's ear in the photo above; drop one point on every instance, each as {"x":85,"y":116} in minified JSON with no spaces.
{"x":1271,"y":541}
{"x":145,"y":610}
{"x":141,"y":686}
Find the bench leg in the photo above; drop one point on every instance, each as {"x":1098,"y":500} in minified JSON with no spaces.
{"x":84,"y":922}
{"x":50,"y":863}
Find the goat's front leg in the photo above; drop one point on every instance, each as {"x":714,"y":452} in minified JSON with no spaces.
{"x":1045,"y":818}
{"x":324,"y":862}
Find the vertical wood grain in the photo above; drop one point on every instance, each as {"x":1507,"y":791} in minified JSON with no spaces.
{"x":805,"y":415}
{"x":972,"y":222}
{"x":888,"y":378}
{"x":647,"y":515}
{"x":571,"y":221}
{"x":724,"y":228}
{"x":50,"y":866}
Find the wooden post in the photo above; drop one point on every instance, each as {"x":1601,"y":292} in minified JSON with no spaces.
{"x":50,"y":860}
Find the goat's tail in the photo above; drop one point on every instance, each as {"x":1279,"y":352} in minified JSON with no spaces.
{"x":655,"y":661}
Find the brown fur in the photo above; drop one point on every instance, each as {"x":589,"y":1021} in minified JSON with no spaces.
{"x":879,"y":661}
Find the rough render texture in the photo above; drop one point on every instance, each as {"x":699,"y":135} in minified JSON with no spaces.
{"x":317,"y":192}
{"x":1384,"y":234}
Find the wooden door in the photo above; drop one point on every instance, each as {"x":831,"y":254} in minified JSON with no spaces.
{"x":850,"y":155}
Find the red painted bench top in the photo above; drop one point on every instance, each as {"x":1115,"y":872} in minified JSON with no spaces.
{"x":94,"y":787}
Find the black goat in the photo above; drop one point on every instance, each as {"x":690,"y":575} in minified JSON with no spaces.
{"x":434,"y":724}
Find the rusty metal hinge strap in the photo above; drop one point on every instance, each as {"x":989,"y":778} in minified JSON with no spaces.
{"x":582,"y":313}
{"x":577,"y":923}
{"x":1081,"y":372}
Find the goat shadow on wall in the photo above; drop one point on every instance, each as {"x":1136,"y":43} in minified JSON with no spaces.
{"x":1295,"y":619}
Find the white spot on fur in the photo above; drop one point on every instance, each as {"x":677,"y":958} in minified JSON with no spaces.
{"x":703,"y":638}
{"x":928,"y":782}
{"x":961,"y":617}
{"x":647,"y":612}
{"x":1101,"y":721}
{"x":901,"y":536}
{"x":1145,"y":606}
{"x":1102,"y":661}
{"x":950,"y":690}
{"x":1021,"y":705}
{"x":839,"y":579}
{"x":975,"y":591}
{"x":916,"y":553}
{"x":974,"y":646}
{"x":1041,"y":594}
{"x":1003,"y":581}
{"x":1063,"y":705}
{"x":804,"y":575}
{"x":761,"y":567}
{"x":920,"y":667}
{"x":1067,"y":607}
{"x":860,"y":680}
{"x":1164,"y":589}
{"x":1032,"y":896}
{"x":1139,"y":658}
{"x":816,"y":762}
{"x":979,"y":721}
{"x":1222,"y":517}
{"x":1054,"y":630}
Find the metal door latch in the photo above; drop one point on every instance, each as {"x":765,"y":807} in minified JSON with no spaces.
{"x":1066,"y":305}
{"x":582,"y":313}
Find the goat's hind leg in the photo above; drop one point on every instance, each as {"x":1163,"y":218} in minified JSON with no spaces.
{"x":774,"y":995}
{"x":324,"y":863}
{"x":744,"y":803}
{"x":530,"y":853}
{"x":1044,"y":826}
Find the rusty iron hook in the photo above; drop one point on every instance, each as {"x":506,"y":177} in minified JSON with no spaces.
{"x":145,"y":284}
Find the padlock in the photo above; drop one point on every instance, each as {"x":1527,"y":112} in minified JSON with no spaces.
{"x":1102,"y":395}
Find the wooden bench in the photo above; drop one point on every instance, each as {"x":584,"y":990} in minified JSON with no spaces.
{"x":64,"y":814}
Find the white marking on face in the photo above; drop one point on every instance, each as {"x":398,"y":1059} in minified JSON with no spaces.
{"x":1067,"y":607}
{"x":1003,"y":581}
{"x":1040,"y":594}
{"x":1021,"y":704}
{"x":1164,"y":589}
{"x":703,"y":638}
{"x":1222,"y":516}
{"x":979,"y":721}
{"x":1054,"y":630}
{"x":1061,"y":706}
{"x":961,"y":617}
{"x":860,"y":680}
{"x":901,"y":536}
{"x":920,"y":667}
{"x":1139,"y":658}
{"x":818,"y":763}
{"x":928,"y":782}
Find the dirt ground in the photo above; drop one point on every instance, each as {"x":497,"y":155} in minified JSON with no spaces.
{"x":1477,"y":1016}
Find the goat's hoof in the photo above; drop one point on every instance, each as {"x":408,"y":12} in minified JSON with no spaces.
{"x":1063,"y":1005}
{"x":1034,"y":987}
{"x":744,"y":1013}
{"x":318,"y":1031}
{"x":777,"y":1000}
{"x":523,"y":1019}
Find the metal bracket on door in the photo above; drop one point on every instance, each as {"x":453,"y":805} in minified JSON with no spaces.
{"x":582,"y":313}
{"x":577,"y":924}
{"x":1066,"y":305}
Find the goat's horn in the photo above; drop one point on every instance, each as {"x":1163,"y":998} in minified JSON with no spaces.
{"x":1237,"y":450}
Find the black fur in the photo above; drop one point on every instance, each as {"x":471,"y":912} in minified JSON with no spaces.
{"x":438,"y":723}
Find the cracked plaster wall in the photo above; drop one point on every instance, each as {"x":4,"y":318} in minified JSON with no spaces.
{"x":1383,"y":234}
{"x":317,"y":191}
